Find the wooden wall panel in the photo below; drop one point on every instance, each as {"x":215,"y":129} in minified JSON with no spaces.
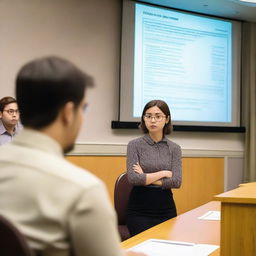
{"x":202,"y":177}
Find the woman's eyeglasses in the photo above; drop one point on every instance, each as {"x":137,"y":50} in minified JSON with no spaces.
{"x":158,"y":118}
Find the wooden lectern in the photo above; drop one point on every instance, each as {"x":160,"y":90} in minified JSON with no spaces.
{"x":238,"y":221}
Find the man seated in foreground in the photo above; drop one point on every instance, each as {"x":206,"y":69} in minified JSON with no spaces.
{"x":61,"y":209}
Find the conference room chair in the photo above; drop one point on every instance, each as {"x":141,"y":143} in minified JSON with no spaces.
{"x":12,"y":242}
{"x":121,"y":195}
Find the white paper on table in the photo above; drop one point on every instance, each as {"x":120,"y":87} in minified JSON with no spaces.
{"x":156,"y":247}
{"x":210,"y":215}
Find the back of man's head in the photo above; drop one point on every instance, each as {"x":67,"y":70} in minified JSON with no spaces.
{"x":44,"y":86}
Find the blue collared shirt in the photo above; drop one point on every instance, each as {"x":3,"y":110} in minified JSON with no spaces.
{"x":5,"y":136}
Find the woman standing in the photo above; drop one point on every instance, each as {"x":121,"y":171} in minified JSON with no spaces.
{"x":153,"y":168}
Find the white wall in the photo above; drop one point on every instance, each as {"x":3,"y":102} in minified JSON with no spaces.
{"x":88,"y":33}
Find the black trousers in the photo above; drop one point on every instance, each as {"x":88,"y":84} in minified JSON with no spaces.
{"x":149,"y":206}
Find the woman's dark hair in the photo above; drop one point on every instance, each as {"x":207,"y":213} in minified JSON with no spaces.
{"x":164,"y":108}
{"x":44,"y":86}
{"x":6,"y":101}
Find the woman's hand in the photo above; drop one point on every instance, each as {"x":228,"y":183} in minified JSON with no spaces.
{"x":137,"y":168}
{"x":167,"y":173}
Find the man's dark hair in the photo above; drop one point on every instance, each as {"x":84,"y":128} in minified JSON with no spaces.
{"x":45,"y":85}
{"x":5,"y":101}
{"x":164,"y":108}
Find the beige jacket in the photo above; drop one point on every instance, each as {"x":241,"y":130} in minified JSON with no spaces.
{"x":57,"y":205}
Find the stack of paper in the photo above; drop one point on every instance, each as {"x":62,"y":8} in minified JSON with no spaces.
{"x":210,"y":215}
{"x":156,"y":247}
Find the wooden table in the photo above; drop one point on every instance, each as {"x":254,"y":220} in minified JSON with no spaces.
{"x":185,"y":227}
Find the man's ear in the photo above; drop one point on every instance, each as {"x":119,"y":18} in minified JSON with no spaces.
{"x":1,"y":114}
{"x":68,"y":113}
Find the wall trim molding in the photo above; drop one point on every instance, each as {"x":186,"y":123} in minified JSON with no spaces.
{"x":115,"y":149}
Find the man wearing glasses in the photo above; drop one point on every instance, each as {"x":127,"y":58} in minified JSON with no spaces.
{"x":9,"y":116}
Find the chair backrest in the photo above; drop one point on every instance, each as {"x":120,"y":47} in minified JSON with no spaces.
{"x":121,"y":196}
{"x":12,"y":242}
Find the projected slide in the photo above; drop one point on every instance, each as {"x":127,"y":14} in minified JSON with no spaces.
{"x":184,"y":60}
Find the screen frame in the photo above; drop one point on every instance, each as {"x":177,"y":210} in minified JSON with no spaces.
{"x":127,"y":66}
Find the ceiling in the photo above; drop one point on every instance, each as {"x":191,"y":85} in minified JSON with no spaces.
{"x":232,"y":9}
